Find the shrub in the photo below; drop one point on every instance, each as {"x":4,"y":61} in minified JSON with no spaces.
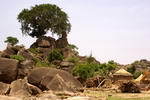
{"x":34,"y":50}
{"x":73,"y":59}
{"x":85,"y":70}
{"x":17,"y":57}
{"x":12,"y":40}
{"x":55,"y":55}
{"x":136,"y":74}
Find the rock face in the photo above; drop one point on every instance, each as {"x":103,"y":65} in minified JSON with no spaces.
{"x":44,"y":42}
{"x":20,"y":88}
{"x":25,"y":68}
{"x":8,"y":70}
{"x":4,"y":88}
{"x":44,"y":79}
{"x":62,"y":42}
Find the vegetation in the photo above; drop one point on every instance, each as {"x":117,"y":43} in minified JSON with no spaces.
{"x":55,"y":55}
{"x":12,"y":40}
{"x":17,"y":57}
{"x":40,"y":19}
{"x":89,"y":69}
{"x":34,"y":50}
{"x":73,"y":59}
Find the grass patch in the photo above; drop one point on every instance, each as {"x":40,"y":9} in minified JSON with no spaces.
{"x":119,"y":98}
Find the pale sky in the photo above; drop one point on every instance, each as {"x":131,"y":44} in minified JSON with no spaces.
{"x":116,"y":30}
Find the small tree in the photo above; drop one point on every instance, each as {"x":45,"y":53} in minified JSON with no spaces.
{"x":11,"y":40}
{"x":40,"y":19}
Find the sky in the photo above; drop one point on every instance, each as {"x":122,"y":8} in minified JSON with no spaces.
{"x":116,"y":30}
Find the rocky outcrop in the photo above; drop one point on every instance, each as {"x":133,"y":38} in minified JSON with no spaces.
{"x":20,"y":88}
{"x":25,"y":68}
{"x":8,"y":70}
{"x":44,"y":42}
{"x":44,"y":79}
{"x":4,"y":88}
{"x":62,"y":42}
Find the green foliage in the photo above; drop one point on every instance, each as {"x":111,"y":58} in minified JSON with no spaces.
{"x":85,"y":70}
{"x":55,"y":55}
{"x":90,"y":58}
{"x":40,"y":19}
{"x":89,"y":69}
{"x":136,"y":74}
{"x":12,"y":40}
{"x":39,"y":63}
{"x":34,"y":50}
{"x":73,"y":47}
{"x":73,"y":59}
{"x":131,"y":69}
{"x":17,"y":57}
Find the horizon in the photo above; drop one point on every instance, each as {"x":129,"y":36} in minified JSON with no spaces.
{"x":111,"y":30}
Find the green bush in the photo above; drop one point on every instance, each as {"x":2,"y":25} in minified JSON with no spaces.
{"x":55,"y":55}
{"x":12,"y":40}
{"x":85,"y":70}
{"x":136,"y":74}
{"x":89,"y":69}
{"x":73,"y":59}
{"x":17,"y":57}
{"x":34,"y":50}
{"x":39,"y":63}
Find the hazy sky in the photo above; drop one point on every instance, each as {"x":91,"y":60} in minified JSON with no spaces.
{"x":111,"y":29}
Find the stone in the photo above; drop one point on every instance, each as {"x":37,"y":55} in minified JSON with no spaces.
{"x":8,"y":52}
{"x":4,"y":88}
{"x":45,"y":42}
{"x":46,"y":75}
{"x":8,"y":70}
{"x":25,"y":54}
{"x":58,"y":84}
{"x":25,"y":68}
{"x":20,"y":88}
{"x":34,"y":90}
{"x":79,"y":98}
{"x":62,"y":42}
{"x":2,"y":97}
{"x":48,"y":96}
{"x":66,"y":64}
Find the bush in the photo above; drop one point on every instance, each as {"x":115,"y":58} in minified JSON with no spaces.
{"x":85,"y":70}
{"x":39,"y":63}
{"x":73,"y":59}
{"x":136,"y":74}
{"x":12,"y":40}
{"x":34,"y":50}
{"x":55,"y":55}
{"x":17,"y":57}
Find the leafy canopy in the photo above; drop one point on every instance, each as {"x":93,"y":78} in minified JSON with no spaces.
{"x":12,"y":40}
{"x":40,"y":19}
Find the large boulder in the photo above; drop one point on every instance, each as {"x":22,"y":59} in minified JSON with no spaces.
{"x":25,"y":68}
{"x":8,"y":70}
{"x":21,"y":88}
{"x":4,"y":88}
{"x":45,"y":42}
{"x":8,"y":52}
{"x":44,"y":78}
{"x":25,"y":54}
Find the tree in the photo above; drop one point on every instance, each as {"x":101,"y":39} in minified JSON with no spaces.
{"x":40,"y":19}
{"x":11,"y":40}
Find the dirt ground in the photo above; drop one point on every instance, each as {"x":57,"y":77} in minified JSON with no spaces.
{"x":113,"y":95}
